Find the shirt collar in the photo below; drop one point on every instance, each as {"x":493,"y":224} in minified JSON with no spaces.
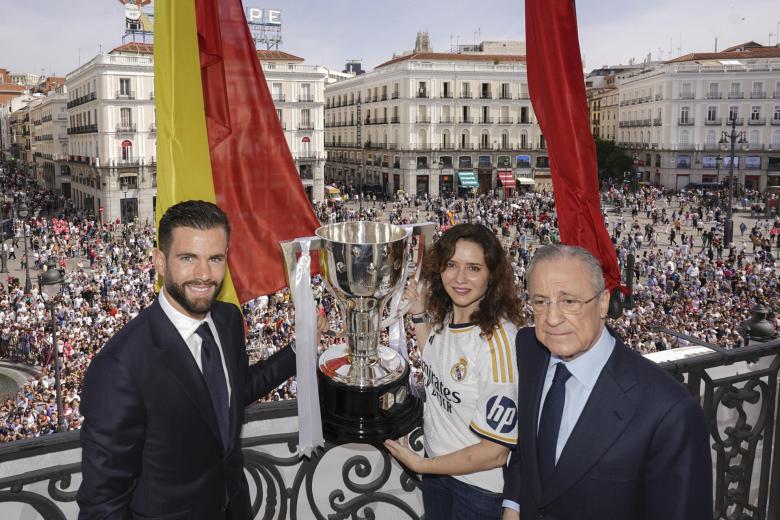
{"x":185,"y":325}
{"x":587,"y":367}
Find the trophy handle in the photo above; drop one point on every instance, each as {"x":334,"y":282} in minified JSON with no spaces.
{"x":425,"y":233}
{"x":290,"y":251}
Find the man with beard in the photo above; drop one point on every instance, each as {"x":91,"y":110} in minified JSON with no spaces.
{"x":164,"y":399}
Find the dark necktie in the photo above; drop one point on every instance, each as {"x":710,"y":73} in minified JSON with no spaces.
{"x":550,"y":423}
{"x":214,"y":374}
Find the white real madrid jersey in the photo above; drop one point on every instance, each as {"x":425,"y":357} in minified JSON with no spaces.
{"x":470,"y":392}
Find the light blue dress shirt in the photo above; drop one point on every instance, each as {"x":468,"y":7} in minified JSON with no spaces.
{"x":585,"y":370}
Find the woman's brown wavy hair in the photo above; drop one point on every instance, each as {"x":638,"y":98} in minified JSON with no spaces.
{"x":502,"y":298}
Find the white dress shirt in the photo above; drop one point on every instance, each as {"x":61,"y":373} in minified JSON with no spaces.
{"x":187,"y":328}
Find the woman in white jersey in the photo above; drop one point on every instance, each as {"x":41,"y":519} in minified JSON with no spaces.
{"x":465,"y":319}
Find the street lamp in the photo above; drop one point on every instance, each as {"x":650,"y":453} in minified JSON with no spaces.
{"x":24,"y":211}
{"x":718,"y":161}
{"x":49,"y":283}
{"x":733,"y":137}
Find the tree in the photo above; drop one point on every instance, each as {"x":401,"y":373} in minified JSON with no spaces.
{"x":612,"y":160}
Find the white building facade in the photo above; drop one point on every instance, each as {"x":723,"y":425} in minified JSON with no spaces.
{"x":673,"y":117}
{"x":49,"y":117}
{"x":435,"y":123}
{"x":112,"y":134}
{"x":298,"y":92}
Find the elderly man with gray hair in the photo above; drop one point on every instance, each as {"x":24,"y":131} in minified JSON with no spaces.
{"x":603,"y":433}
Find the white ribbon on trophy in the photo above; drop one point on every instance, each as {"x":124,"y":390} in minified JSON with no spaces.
{"x":309,"y":420}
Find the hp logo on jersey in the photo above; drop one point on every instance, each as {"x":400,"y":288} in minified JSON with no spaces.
{"x":501,"y":413}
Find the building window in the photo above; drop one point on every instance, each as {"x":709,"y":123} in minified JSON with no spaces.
{"x":684,"y":115}
{"x":776,"y":115}
{"x":524,"y":115}
{"x":124,"y":87}
{"x":125,"y":117}
{"x":127,"y":150}
{"x":733,"y":113}
{"x":276,"y":89}
{"x":755,"y":113}
{"x":712,"y":113}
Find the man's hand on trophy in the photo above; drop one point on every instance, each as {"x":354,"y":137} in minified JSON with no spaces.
{"x":401,"y":451}
{"x":322,"y":323}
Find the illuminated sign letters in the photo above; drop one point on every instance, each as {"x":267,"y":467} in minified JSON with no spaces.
{"x":258,"y":16}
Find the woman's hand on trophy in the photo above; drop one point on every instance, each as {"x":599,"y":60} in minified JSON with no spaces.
{"x":401,"y":451}
{"x":415,"y":292}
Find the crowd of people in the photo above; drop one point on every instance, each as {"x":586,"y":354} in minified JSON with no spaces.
{"x":685,"y":279}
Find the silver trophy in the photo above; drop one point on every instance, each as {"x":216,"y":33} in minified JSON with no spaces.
{"x":364,"y":386}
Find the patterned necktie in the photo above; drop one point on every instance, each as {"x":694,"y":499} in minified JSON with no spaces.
{"x":550,"y":423}
{"x":214,"y":374}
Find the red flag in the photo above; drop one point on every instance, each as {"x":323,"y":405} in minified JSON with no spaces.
{"x":557,"y":88}
{"x":255,"y":179}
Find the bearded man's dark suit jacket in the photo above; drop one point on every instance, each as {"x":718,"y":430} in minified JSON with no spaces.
{"x":639,"y":451}
{"x":150,"y":442}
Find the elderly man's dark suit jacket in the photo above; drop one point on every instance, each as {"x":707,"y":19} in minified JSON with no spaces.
{"x":150,"y":442}
{"x":639,"y":451}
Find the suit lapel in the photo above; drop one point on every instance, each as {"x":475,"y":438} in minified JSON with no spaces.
{"x":606,"y":414}
{"x":180,"y":363}
{"x":226,"y":341}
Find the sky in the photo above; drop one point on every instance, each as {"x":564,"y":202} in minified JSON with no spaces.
{"x":55,"y":36}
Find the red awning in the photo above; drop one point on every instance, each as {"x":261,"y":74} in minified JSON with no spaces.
{"x":507,"y":179}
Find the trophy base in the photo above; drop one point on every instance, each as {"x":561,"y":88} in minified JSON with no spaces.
{"x":368,"y":415}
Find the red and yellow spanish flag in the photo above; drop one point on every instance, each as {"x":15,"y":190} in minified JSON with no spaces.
{"x":557,"y":88}
{"x":220,"y":139}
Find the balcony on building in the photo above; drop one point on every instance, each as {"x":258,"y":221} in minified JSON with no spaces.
{"x":466,"y":120}
{"x":422,"y":93}
{"x":505,"y":121}
{"x":423,"y":120}
{"x":279,"y":98}
{"x":465,"y":95}
{"x":689,"y":121}
{"x":715,"y":121}
{"x":758,"y":94}
{"x":736,"y":95}
{"x":83,"y":129}
{"x":714,"y":95}
{"x":125,"y":128}
{"x":306,"y":126}
{"x":775,"y":120}
{"x":395,"y":95}
{"x":125,"y":94}
{"x":486,"y":121}
{"x":91,"y":96}
{"x":757,"y":121}
{"x":687,"y":95}
{"x":306,"y":99}
{"x":446,"y":95}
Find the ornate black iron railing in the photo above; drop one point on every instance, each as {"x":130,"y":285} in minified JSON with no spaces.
{"x":738,"y":390}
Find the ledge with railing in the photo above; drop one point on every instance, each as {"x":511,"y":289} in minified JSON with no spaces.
{"x":738,"y":390}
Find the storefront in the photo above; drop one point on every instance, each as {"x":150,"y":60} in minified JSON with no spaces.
{"x":422,"y":185}
{"x":446,"y":185}
{"x":467,"y":183}
{"x":507,"y":181}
